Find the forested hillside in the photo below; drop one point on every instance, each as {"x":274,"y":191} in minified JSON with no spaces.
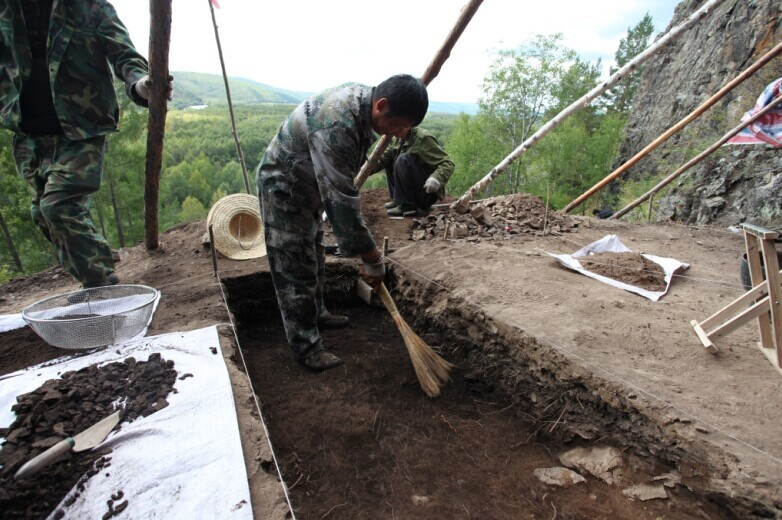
{"x":524,"y":88}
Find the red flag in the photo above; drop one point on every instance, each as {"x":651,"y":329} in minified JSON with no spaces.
{"x":214,"y":3}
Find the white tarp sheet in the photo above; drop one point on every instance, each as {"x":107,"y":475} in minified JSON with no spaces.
{"x":612,"y":243}
{"x":184,"y":461}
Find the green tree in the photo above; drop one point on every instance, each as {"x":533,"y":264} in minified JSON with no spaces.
{"x":520,"y":86}
{"x":474,"y":149}
{"x":192,"y":209}
{"x":620,"y":97}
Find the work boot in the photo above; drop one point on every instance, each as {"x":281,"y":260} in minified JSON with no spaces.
{"x":320,"y":361}
{"x":332,"y":321}
{"x":391,"y":204}
{"x":403,"y":210}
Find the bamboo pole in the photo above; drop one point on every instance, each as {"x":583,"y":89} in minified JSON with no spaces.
{"x":430,"y":73}
{"x":461,"y":205}
{"x":230,"y":104}
{"x":159,"y":41}
{"x":695,"y":160}
{"x":678,"y":126}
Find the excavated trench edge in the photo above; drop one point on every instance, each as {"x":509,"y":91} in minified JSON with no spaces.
{"x":519,"y":366}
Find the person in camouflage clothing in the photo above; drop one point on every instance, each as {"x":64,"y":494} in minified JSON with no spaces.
{"x":309,"y":167}
{"x":57,"y":96}
{"x":417,"y":169}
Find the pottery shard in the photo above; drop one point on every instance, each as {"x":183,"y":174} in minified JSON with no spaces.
{"x":558,"y":476}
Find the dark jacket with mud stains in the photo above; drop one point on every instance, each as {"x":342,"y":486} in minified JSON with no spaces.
{"x":86,"y":41}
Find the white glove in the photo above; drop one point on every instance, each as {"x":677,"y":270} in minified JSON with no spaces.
{"x":432,"y":185}
{"x":374,"y":272}
{"x":142,"y":87}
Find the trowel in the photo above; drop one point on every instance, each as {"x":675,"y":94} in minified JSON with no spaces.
{"x":86,"y":440}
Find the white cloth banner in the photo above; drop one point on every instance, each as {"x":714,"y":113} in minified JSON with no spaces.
{"x":184,"y":461}
{"x":612,"y":244}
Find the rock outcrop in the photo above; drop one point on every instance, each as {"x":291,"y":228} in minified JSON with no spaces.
{"x":736,"y":183}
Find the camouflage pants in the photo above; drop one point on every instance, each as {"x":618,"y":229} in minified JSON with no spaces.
{"x":291,"y":210}
{"x":62,"y":174}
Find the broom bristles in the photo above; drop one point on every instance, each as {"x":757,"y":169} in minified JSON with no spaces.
{"x":432,"y":370}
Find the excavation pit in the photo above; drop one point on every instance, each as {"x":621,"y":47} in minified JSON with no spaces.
{"x":363,"y":440}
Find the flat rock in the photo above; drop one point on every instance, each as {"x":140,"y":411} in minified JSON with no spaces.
{"x":602,"y":462}
{"x":558,"y":476}
{"x":645,"y":492}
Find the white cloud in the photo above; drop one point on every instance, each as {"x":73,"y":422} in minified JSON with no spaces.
{"x":311,"y":45}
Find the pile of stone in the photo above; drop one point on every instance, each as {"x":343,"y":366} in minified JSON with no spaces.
{"x":494,"y":218}
{"x":64,"y":407}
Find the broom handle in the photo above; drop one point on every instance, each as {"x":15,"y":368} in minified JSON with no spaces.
{"x":381,"y":291}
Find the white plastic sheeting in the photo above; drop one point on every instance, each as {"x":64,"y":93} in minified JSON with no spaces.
{"x":612,"y":243}
{"x":184,"y":461}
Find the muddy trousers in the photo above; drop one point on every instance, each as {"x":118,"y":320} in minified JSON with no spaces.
{"x":406,"y":183}
{"x":62,"y":174}
{"x":293,"y":230}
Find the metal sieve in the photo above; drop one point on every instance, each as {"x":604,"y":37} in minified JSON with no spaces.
{"x":92,"y":317}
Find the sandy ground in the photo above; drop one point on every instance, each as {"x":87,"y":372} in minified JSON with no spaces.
{"x":639,"y":357}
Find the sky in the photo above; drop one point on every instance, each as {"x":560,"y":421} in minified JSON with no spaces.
{"x":311,"y":45}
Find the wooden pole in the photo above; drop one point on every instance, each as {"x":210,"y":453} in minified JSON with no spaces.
{"x":461,"y":205}
{"x":159,"y":41}
{"x":678,"y":126}
{"x":230,"y":104}
{"x":430,"y":73}
{"x":695,"y":160}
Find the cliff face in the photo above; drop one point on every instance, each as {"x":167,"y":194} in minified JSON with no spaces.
{"x":736,"y":183}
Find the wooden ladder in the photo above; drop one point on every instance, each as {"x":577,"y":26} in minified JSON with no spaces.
{"x":763,"y":301}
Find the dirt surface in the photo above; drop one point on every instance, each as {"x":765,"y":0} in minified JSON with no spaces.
{"x":362,"y":441}
{"x":532,"y":340}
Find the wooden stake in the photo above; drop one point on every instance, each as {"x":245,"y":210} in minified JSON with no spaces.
{"x":159,"y":41}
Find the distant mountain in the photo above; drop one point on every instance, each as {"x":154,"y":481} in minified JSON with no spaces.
{"x":198,"y":89}
{"x":195,"y":88}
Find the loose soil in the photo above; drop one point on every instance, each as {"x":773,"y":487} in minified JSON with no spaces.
{"x":630,"y":268}
{"x":547,"y":360}
{"x":62,"y":408}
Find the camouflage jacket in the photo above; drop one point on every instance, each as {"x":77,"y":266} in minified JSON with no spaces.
{"x":428,"y":153}
{"x":323,"y":144}
{"x":85,"y":38}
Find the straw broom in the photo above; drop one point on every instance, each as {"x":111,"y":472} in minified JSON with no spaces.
{"x":432,"y":370}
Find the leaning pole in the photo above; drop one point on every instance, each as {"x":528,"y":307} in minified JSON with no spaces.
{"x":462,"y":205}
{"x":430,"y":73}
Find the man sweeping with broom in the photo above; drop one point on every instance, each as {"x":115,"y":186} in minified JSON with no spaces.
{"x":309,"y":167}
